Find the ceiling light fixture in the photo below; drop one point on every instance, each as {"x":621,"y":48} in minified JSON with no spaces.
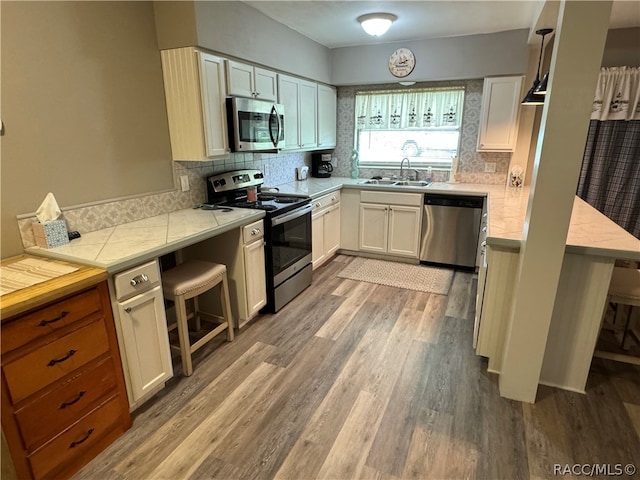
{"x":533,"y":97}
{"x":376,"y":24}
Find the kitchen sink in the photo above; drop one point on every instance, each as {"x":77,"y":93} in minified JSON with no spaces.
{"x":412,"y":183}
{"x":397,"y":183}
{"x":379,"y":182}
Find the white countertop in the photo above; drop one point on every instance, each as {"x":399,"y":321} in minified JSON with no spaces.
{"x":590,"y":232}
{"x":121,"y":247}
{"x":124,"y":246}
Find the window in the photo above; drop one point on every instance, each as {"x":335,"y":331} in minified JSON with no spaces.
{"x":422,"y":125}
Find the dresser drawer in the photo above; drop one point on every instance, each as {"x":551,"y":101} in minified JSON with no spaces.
{"x":55,"y":360}
{"x":65,"y":404}
{"x":49,"y":319}
{"x":76,"y":441}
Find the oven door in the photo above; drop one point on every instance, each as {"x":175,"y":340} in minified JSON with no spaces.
{"x":290,"y":243}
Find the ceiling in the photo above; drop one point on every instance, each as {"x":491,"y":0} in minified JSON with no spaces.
{"x":333,"y":24}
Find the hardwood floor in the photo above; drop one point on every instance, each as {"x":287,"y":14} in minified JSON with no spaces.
{"x":354,"y":380}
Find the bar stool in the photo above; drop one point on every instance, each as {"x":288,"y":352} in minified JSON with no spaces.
{"x":187,"y":281}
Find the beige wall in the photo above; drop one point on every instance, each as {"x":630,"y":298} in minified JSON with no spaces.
{"x":82,"y":104}
{"x":622,"y":48}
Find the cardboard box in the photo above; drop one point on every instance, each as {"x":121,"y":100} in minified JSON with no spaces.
{"x":50,"y":234}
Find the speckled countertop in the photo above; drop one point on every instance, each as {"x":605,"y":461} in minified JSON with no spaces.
{"x":127,"y":245}
{"x":590,"y":232}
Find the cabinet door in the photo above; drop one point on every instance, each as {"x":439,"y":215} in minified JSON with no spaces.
{"x":317,"y":238}
{"x":308,"y":117}
{"x":213,"y":88}
{"x":498,"y":128}
{"x":288,"y":93}
{"x":332,"y":230}
{"x":255,"y":276}
{"x":326,"y":116}
{"x":404,"y":230}
{"x":373,"y":227}
{"x":265,"y":84}
{"x":240,"y":77}
{"x":146,"y":341}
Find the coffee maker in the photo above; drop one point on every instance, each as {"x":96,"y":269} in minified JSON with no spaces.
{"x":321,"y":165}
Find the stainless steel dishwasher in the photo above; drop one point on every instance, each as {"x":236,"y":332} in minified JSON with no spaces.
{"x":450,"y":229}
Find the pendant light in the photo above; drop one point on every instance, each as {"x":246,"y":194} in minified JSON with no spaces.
{"x":533,"y":97}
{"x":376,"y":24}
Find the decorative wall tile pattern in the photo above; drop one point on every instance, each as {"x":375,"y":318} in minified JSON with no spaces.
{"x":471,"y":163}
{"x":278,"y":169}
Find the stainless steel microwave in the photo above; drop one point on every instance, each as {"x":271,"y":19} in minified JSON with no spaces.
{"x":255,"y":125}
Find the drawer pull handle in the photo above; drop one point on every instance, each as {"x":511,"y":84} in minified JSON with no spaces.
{"x":89,"y":432}
{"x":44,"y":323}
{"x":75,"y":400}
{"x":138,"y":279}
{"x":59,"y":360}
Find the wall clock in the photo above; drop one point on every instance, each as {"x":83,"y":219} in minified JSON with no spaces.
{"x":402,"y":62}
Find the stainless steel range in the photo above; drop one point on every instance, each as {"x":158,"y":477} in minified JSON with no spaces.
{"x":287,"y":231}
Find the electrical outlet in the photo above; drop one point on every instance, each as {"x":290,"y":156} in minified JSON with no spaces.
{"x":490,"y":167}
{"x":184,"y":183}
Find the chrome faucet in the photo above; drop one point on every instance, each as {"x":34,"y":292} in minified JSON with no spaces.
{"x":401,"y":165}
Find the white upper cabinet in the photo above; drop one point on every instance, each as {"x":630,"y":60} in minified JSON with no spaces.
{"x":288,"y":94}
{"x":498,"y":129}
{"x":327,"y":100}
{"x":248,"y":81}
{"x":308,"y":114}
{"x":300,"y":99}
{"x":195,"y":87}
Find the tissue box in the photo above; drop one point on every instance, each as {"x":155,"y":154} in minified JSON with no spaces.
{"x":50,"y":234}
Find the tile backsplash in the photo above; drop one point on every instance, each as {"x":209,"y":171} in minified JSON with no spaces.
{"x":278,"y":169}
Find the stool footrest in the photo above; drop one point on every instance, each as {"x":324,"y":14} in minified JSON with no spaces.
{"x":219,"y":329}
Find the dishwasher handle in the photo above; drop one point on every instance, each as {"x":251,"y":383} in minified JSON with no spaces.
{"x":460,"y":201}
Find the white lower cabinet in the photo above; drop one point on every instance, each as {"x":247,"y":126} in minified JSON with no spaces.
{"x":256,"y":288}
{"x":325,"y":228}
{"x":142,"y":331}
{"x":390,"y":228}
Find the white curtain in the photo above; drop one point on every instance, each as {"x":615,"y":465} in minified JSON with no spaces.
{"x":617,"y":94}
{"x":417,"y":108}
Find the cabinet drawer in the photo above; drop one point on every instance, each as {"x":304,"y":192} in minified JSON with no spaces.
{"x":65,"y":404}
{"x":76,"y":441}
{"x":392,"y":198}
{"x":326,"y":201}
{"x":136,"y":280}
{"x":48,"y":319}
{"x":253,"y":231}
{"x":55,"y":360}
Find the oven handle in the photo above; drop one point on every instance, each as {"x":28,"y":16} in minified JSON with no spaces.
{"x":291,"y":216}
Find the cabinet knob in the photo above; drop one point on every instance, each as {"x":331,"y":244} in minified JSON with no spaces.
{"x":255,"y":231}
{"x":138,"y":279}
{"x":333,"y":199}
{"x":128,"y":310}
{"x":318,"y":205}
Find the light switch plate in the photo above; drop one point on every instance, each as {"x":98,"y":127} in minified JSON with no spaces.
{"x":184,"y":183}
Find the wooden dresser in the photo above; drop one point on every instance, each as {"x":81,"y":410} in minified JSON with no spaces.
{"x":63,"y":392}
